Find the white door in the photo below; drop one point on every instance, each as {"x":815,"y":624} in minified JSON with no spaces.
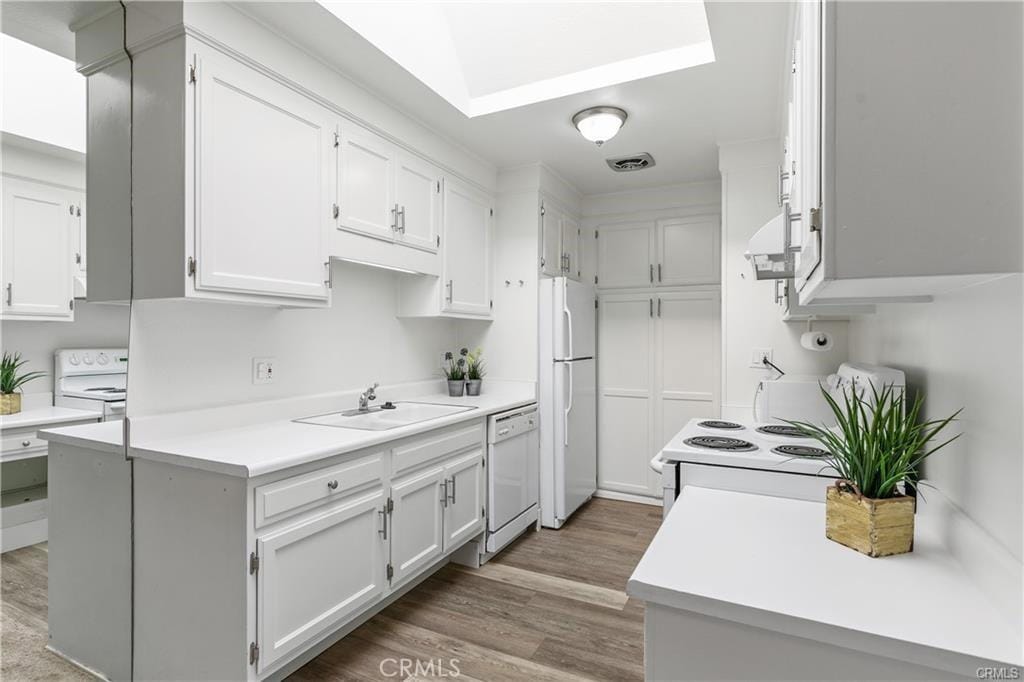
{"x":688,"y":251}
{"x":262,"y":184}
{"x":464,"y":508}
{"x":575,"y":435}
{"x":571,"y":251}
{"x":417,"y":528}
{"x":37,"y":259}
{"x":467,"y":250}
{"x":687,"y":352}
{"x":625,"y":255}
{"x":418,"y":195}
{"x":550,"y":241}
{"x":366,"y":171}
{"x":317,"y":574}
{"x":806,"y":185}
{"x":625,"y":392}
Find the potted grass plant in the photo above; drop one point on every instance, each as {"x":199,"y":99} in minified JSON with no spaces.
{"x":11,"y":381}
{"x":455,"y":372}
{"x":877,"y":447}
{"x":475,"y":371}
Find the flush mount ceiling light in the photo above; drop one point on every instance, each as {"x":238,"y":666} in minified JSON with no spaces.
{"x":599,"y":124}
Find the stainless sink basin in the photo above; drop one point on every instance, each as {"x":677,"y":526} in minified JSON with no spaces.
{"x":380,"y":419}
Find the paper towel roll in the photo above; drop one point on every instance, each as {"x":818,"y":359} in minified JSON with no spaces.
{"x":820,"y":341}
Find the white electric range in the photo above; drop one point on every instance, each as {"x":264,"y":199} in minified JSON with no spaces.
{"x":765,"y":457}
{"x":91,"y":379}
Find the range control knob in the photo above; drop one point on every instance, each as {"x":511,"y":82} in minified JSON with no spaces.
{"x":87,"y":359}
{"x":73,"y":359}
{"x":102,"y":359}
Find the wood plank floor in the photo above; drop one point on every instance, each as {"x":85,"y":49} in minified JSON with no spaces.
{"x":552,"y":606}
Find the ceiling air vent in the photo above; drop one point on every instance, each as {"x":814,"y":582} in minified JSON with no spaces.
{"x":633,"y":162}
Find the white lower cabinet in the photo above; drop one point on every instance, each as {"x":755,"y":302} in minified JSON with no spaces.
{"x":464,"y":498}
{"x":317,"y":573}
{"x":416,"y":522}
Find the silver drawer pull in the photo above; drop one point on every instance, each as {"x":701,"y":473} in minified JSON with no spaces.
{"x":26,"y":443}
{"x":333,"y":485}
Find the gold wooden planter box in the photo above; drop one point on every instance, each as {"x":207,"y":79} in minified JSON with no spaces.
{"x":10,"y":403}
{"x":873,"y":527}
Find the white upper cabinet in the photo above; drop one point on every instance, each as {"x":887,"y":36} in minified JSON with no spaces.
{"x":625,"y":255}
{"x":77,"y":218}
{"x":37,"y":256}
{"x":561,"y":243}
{"x":904,"y":187}
{"x":263,"y":155}
{"x":688,"y":251}
{"x":366,"y":176}
{"x":467,"y":249}
{"x":418,"y":199}
{"x":571,"y":250}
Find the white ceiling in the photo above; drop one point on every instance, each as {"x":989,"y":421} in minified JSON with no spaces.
{"x":679,"y":117}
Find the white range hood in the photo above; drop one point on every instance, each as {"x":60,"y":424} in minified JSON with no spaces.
{"x":769,"y":251}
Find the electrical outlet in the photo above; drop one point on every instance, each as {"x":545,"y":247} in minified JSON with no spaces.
{"x":758,"y":356}
{"x":263,"y":370}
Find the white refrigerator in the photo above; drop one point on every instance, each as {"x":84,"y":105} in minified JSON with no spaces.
{"x":568,"y":398}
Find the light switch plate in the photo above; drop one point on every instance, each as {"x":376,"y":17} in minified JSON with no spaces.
{"x":758,"y":356}
{"x":263,"y":370}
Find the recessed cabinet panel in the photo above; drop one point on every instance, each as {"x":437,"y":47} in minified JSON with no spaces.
{"x":571,"y":251}
{"x":418,"y":195}
{"x":417,"y":536}
{"x":688,"y":251}
{"x":551,"y":247}
{"x":467,"y":235}
{"x":37,"y":258}
{"x":262,"y":169}
{"x":365,"y":173}
{"x":625,"y":255}
{"x":464,"y":509}
{"x":317,"y":574}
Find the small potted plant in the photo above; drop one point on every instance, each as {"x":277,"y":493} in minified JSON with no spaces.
{"x":475,"y":371}
{"x":455,"y":372}
{"x":11,"y":380}
{"x":877,"y":447}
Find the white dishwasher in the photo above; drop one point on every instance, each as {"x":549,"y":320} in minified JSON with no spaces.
{"x":513,"y":475}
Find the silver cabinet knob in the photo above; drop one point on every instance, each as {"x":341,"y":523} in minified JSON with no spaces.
{"x":333,"y":485}
{"x":26,"y":443}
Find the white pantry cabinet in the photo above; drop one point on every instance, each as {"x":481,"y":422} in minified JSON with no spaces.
{"x":658,"y":367}
{"x":38,"y":220}
{"x":464,"y":287}
{"x":904,"y":187}
{"x":561,"y":242}
{"x":657,"y":253}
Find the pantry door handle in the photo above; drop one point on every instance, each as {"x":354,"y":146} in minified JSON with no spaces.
{"x":652,"y":273}
{"x":659,"y":306}
{"x":650,"y":305}
{"x":659,"y":272}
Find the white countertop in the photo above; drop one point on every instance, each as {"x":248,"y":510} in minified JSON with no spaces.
{"x":765,"y":561}
{"x":46,"y":416}
{"x":272,"y":445}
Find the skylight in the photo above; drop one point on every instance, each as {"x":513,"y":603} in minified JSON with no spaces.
{"x":485,"y":57}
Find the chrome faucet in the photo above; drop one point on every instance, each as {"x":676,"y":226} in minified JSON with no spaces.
{"x":366,"y":396}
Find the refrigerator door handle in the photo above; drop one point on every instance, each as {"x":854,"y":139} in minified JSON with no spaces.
{"x":568,"y":323}
{"x":568,"y":408}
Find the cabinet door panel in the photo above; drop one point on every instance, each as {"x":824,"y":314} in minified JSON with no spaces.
{"x":806,"y":184}
{"x":467,"y":250}
{"x":365,"y":173}
{"x":315,"y":575}
{"x":418,"y":194}
{"x":464,"y":512}
{"x":551,"y":242}
{"x":262,"y":170}
{"x":625,"y":255}
{"x":688,"y":251}
{"x":687,"y":361}
{"x":416,"y":523}
{"x":625,"y":365}
{"x":571,"y":248}
{"x":37,"y":258}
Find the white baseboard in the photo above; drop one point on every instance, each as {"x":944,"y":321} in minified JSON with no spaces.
{"x":629,"y":497}
{"x":23,"y":535}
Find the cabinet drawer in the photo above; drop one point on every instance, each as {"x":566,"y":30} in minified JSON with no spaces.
{"x":277,"y":500}
{"x":19,"y":445}
{"x":425,"y":449}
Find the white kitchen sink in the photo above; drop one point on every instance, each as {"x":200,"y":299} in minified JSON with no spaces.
{"x":381,"y":419}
